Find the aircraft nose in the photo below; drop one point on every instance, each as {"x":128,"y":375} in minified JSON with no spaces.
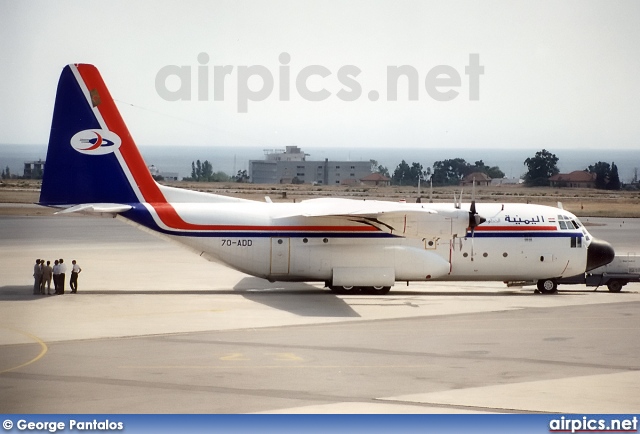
{"x":599,"y":253}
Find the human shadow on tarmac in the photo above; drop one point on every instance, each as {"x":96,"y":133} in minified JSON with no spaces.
{"x":19,"y":293}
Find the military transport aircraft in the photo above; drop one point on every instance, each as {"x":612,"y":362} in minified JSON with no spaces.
{"x":94,"y":166}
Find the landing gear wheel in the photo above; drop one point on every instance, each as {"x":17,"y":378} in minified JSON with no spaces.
{"x":615,"y":286}
{"x":342,"y":289}
{"x":547,"y":286}
{"x":378,"y":290}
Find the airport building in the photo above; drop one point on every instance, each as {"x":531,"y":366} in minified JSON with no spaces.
{"x":290,"y":166}
{"x":33,"y":169}
{"x":167,"y":176}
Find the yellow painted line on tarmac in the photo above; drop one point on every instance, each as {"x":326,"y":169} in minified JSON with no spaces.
{"x":43,"y":350}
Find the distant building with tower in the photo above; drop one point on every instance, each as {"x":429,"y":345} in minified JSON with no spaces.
{"x":289,"y":166}
{"x":33,"y":169}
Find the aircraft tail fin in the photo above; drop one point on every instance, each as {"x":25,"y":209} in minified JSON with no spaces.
{"x":91,"y":156}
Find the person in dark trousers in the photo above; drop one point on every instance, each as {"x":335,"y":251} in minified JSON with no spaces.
{"x":63,"y":269}
{"x":37,"y":277}
{"x":56,"y":276}
{"x":73,"y":282}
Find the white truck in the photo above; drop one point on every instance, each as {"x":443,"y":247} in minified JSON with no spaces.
{"x":622,"y":270}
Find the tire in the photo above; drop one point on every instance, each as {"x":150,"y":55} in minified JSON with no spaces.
{"x":547,"y":286}
{"x":342,"y":290}
{"x":615,"y":285}
{"x":378,"y":290}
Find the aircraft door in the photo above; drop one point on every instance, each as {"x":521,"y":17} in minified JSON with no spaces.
{"x":279,"y":255}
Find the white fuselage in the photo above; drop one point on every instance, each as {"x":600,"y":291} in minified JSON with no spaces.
{"x":278,"y":241}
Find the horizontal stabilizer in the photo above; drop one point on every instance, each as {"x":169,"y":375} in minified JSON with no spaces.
{"x":111,"y":208}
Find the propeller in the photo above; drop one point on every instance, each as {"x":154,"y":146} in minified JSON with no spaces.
{"x":475,"y":219}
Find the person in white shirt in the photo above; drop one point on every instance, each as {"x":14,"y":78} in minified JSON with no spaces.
{"x":56,"y":276}
{"x":47,"y":271}
{"x":37,"y":277}
{"x":73,"y":282}
{"x":62,"y":268}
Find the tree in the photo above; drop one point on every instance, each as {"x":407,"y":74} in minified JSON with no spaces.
{"x":203,"y":172}
{"x":614,"y":178}
{"x":407,"y":175}
{"x":450,"y":171}
{"x":220,"y":176}
{"x":402,"y":174}
{"x":194,"y":175}
{"x":491,"y":172}
{"x":416,"y":172}
{"x":607,"y":177}
{"x":198,"y":171}
{"x":207,"y":171}
{"x":541,"y":167}
{"x":374,"y":165}
{"x":379,"y":168}
{"x":383,"y":171}
{"x":242,"y":176}
{"x":602,"y":171}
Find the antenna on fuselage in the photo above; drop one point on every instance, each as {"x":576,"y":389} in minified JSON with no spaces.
{"x":457,"y":201}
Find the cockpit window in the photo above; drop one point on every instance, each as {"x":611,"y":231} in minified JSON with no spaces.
{"x":567,"y":223}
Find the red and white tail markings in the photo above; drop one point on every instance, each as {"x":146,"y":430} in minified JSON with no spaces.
{"x":144,"y":186}
{"x":131,"y":162}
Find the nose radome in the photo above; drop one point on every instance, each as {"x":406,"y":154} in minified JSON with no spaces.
{"x":599,"y":253}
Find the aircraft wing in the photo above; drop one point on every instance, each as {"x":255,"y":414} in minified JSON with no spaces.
{"x":335,"y":207}
{"x":399,"y":218}
{"x":395,"y":217}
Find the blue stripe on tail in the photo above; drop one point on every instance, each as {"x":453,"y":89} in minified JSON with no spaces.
{"x":71,"y":177}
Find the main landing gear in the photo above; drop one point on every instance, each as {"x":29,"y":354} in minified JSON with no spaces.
{"x":547,"y":286}
{"x":368,"y":290}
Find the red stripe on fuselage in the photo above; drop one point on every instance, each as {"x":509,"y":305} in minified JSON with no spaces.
{"x":149,"y":188}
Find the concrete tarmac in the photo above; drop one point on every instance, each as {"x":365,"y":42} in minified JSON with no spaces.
{"x":157,"y":329}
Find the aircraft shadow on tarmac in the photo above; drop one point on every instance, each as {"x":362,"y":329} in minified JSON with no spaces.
{"x":301,"y":298}
{"x":298,"y":298}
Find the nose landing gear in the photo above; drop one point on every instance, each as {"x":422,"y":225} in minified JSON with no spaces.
{"x":547,"y":286}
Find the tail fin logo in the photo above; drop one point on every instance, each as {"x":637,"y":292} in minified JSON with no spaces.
{"x":95,"y":142}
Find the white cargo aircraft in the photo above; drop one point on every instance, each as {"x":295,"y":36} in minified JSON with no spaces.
{"x":93,"y":165}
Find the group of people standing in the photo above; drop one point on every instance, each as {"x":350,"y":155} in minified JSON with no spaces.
{"x":44,"y":273}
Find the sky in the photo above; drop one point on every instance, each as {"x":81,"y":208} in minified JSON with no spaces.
{"x":546,"y":74}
